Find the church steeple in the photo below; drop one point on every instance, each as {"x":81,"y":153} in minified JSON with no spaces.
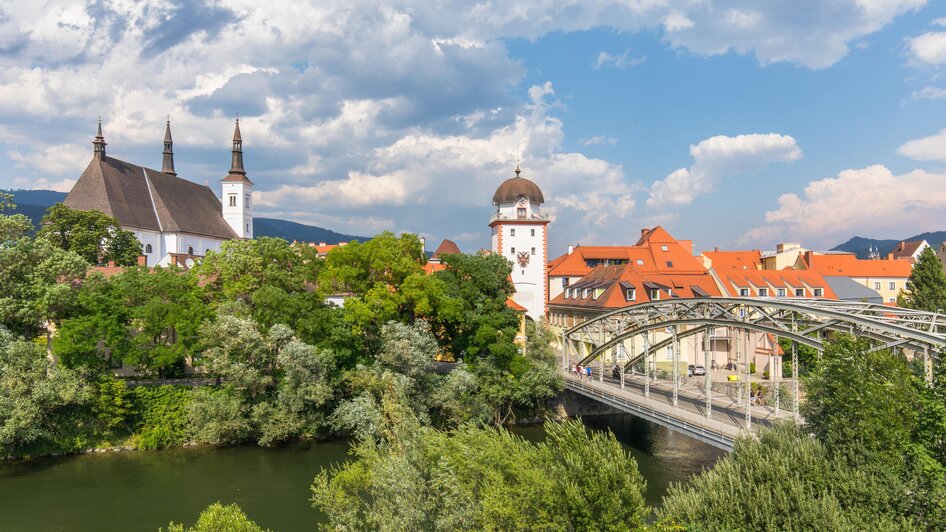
{"x":98,"y":145}
{"x":236,"y":165}
{"x":167,"y":166}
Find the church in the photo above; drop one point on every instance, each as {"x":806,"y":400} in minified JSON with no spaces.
{"x":177,"y":221}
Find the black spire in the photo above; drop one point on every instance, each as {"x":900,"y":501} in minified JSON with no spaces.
{"x":518,"y":171}
{"x":98,"y":145}
{"x":236,"y":166}
{"x":167,"y":166}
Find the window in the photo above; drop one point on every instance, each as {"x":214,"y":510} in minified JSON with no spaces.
{"x":763,"y":292}
{"x":148,"y":249}
{"x":247,"y":228}
{"x":655,"y":294}
{"x":246,"y":200}
{"x":568,"y":293}
{"x":892,"y":300}
{"x":564,"y":281}
{"x":630,"y":294}
{"x":669,"y":352}
{"x":597,"y":293}
{"x":584,"y":293}
{"x":744,"y":292}
{"x":232,"y":200}
{"x":521,"y":212}
{"x":819,"y":292}
{"x":892,"y":285}
{"x":670,"y":264}
{"x":190,"y":250}
{"x":781,"y":292}
{"x":533,"y":232}
{"x":664,"y":248}
{"x":512,"y":250}
{"x":512,"y":232}
{"x":640,"y":262}
{"x":533,"y":251}
{"x":877,"y":285}
{"x":799,"y":292}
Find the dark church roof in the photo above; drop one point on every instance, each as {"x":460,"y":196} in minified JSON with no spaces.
{"x":147,"y":199}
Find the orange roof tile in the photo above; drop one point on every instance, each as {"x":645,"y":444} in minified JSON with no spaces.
{"x":515,"y":306}
{"x":848,"y":265}
{"x":447,"y":247}
{"x":733,"y":281}
{"x":734,"y":260}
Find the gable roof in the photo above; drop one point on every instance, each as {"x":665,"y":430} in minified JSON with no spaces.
{"x":656,"y":252}
{"x":848,"y":265}
{"x":143,"y":198}
{"x":734,"y":281}
{"x":614,"y":282}
{"x":734,"y":260}
{"x":447,"y":247}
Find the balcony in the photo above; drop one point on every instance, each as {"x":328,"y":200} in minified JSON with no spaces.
{"x":536,"y":216}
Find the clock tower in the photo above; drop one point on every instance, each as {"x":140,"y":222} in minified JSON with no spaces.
{"x":520,"y":233}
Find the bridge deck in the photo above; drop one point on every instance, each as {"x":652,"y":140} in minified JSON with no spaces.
{"x":726,"y":422}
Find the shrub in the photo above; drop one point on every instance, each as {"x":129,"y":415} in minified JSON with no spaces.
{"x":160,"y":415}
{"x":218,"y":517}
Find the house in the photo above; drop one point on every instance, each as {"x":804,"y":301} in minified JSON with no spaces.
{"x":655,"y":252}
{"x":435,"y":262}
{"x":773,"y":283}
{"x":177,"y":221}
{"x":908,"y":250}
{"x":887,"y":277}
{"x":784,"y":256}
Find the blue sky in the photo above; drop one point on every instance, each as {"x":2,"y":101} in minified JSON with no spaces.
{"x":731,"y":122}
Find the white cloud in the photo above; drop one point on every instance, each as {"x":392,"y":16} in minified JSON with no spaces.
{"x":930,"y":93}
{"x":931,"y":148}
{"x":598,"y":140}
{"x":676,"y":21}
{"x":622,"y":60}
{"x":63,"y":185}
{"x":717,"y":157}
{"x":870,"y":201}
{"x":929,"y":48}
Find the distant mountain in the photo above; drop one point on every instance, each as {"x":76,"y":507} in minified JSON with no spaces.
{"x":301,"y":232}
{"x":861,"y":246}
{"x":33,"y":203}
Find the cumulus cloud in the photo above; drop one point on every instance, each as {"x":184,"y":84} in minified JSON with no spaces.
{"x":931,"y":148}
{"x":598,"y":140}
{"x":622,"y":60}
{"x":866,"y":201}
{"x":719,"y":156}
{"x":930,"y":93}
{"x":929,"y":48}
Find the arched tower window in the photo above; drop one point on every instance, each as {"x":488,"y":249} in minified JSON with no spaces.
{"x":148,"y":249}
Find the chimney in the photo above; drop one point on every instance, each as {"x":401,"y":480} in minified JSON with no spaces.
{"x":142,"y":260}
{"x":571,"y":249}
{"x":644,"y":232}
{"x":716,"y":249}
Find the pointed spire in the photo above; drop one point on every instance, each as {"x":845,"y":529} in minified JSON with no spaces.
{"x":98,"y":145}
{"x":236,"y":166}
{"x":167,"y":166}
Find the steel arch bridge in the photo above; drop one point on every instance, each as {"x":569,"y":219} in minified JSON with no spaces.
{"x":804,"y":321}
{"x":801,"y":320}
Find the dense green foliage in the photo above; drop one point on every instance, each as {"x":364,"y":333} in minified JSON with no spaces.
{"x":159,"y":416}
{"x":219,"y":518}
{"x":926,"y":287}
{"x":93,"y":235}
{"x":413,"y":477}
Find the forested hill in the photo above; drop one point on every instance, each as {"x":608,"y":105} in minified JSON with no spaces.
{"x":33,"y":203}
{"x":860,"y":245}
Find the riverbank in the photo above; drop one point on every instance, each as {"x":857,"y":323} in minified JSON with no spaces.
{"x":143,"y":491}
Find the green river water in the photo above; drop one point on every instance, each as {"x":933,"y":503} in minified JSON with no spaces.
{"x":129,"y":491}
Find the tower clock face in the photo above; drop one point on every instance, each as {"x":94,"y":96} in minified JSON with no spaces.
{"x":523,"y":258}
{"x":521,"y":201}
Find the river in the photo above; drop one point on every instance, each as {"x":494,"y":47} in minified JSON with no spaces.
{"x":131,"y":491}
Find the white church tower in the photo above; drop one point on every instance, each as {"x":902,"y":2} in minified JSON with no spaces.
{"x":237,"y":192}
{"x":520,"y":233}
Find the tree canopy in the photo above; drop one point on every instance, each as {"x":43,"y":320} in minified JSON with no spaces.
{"x":926,"y":287}
{"x":93,"y":235}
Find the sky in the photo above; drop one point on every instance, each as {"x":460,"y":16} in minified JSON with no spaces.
{"x":734,"y":123}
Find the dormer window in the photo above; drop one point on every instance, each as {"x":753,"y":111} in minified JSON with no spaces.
{"x":630,"y":294}
{"x":781,"y":292}
{"x":744,"y":292}
{"x":597,"y":293}
{"x":799,"y":292}
{"x":763,"y":292}
{"x":655,"y":294}
{"x":584,"y":293}
{"x":819,"y":292}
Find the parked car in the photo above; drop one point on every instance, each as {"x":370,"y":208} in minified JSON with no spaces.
{"x":699,"y":370}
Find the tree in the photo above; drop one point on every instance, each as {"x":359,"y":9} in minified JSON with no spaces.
{"x":218,"y":517}
{"x":93,"y":235}
{"x":97,"y":329}
{"x":475,"y":478}
{"x":926,"y":287}
{"x":783,"y":480}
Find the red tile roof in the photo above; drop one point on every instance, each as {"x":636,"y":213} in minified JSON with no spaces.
{"x":447,"y":247}
{"x":656,"y":252}
{"x":734,"y":281}
{"x":734,"y":260}
{"x":848,"y":265}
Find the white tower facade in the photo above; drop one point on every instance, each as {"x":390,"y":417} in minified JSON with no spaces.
{"x":237,"y":192}
{"x":520,"y":233}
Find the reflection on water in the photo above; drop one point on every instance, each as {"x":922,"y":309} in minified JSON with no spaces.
{"x":145,"y":490}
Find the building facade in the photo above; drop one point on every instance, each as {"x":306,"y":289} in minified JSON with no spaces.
{"x":177,"y":221}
